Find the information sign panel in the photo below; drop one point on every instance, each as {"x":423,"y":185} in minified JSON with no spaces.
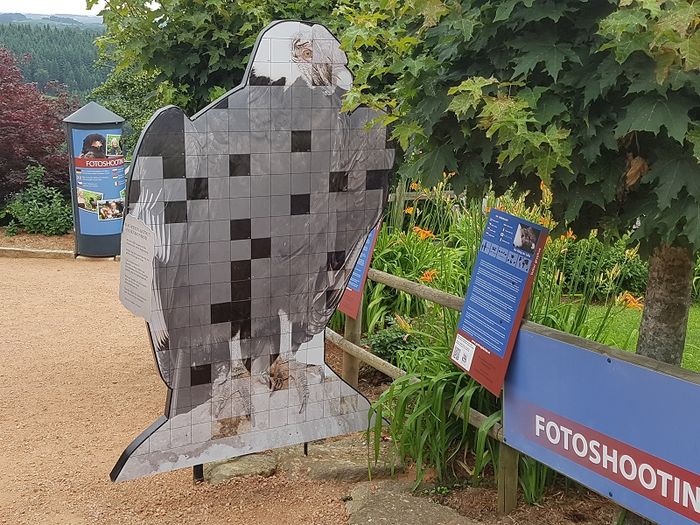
{"x":498,"y":292}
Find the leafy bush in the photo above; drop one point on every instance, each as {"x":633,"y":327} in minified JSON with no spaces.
{"x":30,"y":129}
{"x":39,"y":208}
{"x":614,"y":256}
{"x":388,"y":342}
{"x":197,"y":49}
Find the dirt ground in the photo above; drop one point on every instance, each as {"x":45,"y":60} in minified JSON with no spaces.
{"x":77,"y":384}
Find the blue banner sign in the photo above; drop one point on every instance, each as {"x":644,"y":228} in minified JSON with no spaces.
{"x":100,"y":183}
{"x":616,"y":427}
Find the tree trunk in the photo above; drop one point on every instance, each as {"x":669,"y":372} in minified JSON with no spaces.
{"x":665,"y":319}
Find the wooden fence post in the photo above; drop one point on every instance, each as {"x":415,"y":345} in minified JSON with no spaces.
{"x":508,"y":464}
{"x":507,"y":478}
{"x":353,"y":333}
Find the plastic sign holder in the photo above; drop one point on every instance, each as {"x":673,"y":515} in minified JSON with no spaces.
{"x":499,"y":289}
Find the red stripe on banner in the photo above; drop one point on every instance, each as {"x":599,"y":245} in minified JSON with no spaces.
{"x":653,"y":478}
{"x":110,"y":162}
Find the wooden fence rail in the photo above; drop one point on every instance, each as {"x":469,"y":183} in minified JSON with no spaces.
{"x":507,"y":472}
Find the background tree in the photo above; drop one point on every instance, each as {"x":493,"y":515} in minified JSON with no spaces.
{"x":599,"y":101}
{"x":66,"y":55}
{"x":199,"y":47}
{"x":31,"y":130}
{"x":134,"y":96}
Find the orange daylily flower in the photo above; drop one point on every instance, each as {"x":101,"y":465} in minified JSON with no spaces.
{"x":568,"y":235}
{"x":428,"y":276}
{"x":403,"y":324}
{"x":409,"y":210}
{"x":546,"y":222}
{"x":423,"y":234}
{"x":630,"y":301}
{"x":415,"y":186}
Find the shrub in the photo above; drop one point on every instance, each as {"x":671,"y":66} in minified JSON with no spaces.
{"x":39,"y":208}
{"x":615,"y":255}
{"x":30,"y":129}
{"x":386,"y":343}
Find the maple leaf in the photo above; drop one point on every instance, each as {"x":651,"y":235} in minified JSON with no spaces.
{"x":504,"y":9}
{"x":551,"y":52}
{"x":432,"y":11}
{"x":673,"y":173}
{"x":651,"y":112}
{"x":405,"y":131}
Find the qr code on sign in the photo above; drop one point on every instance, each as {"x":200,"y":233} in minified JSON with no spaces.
{"x":463,"y":352}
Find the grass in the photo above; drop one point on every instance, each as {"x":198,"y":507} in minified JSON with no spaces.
{"x":624,"y":331}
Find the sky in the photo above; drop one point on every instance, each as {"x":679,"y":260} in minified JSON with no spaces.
{"x":47,"y":7}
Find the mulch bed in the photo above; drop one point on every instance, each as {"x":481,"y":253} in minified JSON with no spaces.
{"x":37,"y":242}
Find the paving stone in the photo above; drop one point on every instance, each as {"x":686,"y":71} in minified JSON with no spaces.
{"x":341,"y":459}
{"x":389,"y":502}
{"x":254,"y":465}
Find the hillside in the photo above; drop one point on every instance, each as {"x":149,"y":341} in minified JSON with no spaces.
{"x":64,"y":53}
{"x":93,"y":23}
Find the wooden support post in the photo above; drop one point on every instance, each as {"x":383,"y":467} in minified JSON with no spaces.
{"x":353,"y":333}
{"x":507,"y":478}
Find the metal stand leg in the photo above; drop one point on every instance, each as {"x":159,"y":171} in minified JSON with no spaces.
{"x":198,"y":473}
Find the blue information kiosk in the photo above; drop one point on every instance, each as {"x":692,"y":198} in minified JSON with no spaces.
{"x":97,"y":179}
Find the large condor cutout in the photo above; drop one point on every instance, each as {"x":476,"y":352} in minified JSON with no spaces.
{"x":259,"y":206}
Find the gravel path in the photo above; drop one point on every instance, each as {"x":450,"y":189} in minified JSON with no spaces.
{"x":76,"y":384}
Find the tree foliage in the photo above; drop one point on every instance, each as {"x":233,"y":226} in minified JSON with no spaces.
{"x":598,"y":100}
{"x":133,"y":96}
{"x":199,"y":47}
{"x":66,"y":55}
{"x":31,"y":129}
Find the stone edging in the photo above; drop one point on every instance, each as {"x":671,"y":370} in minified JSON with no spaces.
{"x":35,"y":253}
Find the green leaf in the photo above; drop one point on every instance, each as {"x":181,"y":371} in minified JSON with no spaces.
{"x":690,"y":52}
{"x":405,"y":131}
{"x":549,"y":107}
{"x":693,"y":137}
{"x":532,"y":95}
{"x":605,"y":136}
{"x":673,"y":173}
{"x":650,"y":113}
{"x":504,"y":9}
{"x":624,"y":47}
{"x":430,"y":166}
{"x":552,"y":52}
